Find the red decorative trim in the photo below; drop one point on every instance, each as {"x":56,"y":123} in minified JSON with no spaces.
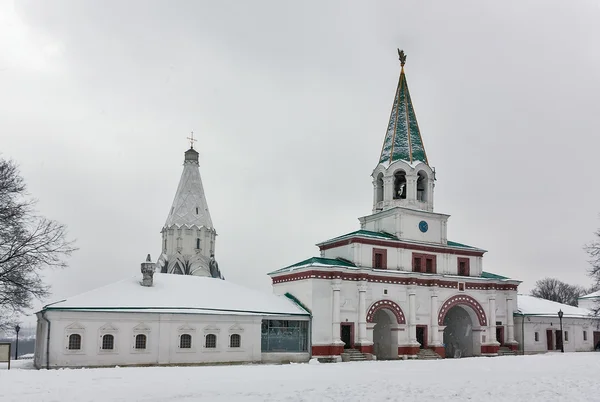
{"x":489,"y":349}
{"x":408,"y":350}
{"x":513,"y":346}
{"x":365,"y":348}
{"x":383,"y":253}
{"x":440,"y":350}
{"x":465,"y":301}
{"x":467,"y":263}
{"x":423,"y":263}
{"x":394,"y":280}
{"x":399,"y":244}
{"x":327,"y":350}
{"x":388,"y":305}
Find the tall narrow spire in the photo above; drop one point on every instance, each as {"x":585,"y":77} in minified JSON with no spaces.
{"x":403,"y":139}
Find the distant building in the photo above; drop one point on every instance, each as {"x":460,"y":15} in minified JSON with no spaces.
{"x":590,"y":301}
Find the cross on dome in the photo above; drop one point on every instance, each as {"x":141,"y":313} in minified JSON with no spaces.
{"x":192,"y":140}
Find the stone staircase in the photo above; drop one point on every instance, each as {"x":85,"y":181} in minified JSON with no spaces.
{"x":504,"y":351}
{"x":427,"y":354}
{"x":353,"y":355}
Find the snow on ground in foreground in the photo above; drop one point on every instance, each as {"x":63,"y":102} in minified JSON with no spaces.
{"x":551,"y":377}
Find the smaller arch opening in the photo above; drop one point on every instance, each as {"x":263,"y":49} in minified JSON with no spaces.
{"x":74,"y":342}
{"x":140,"y":341}
{"x":379,"y":188}
{"x":235,"y":341}
{"x":185,"y":341}
{"x":400,"y":185}
{"x":422,"y":186}
{"x":108,"y":342}
{"x":211,"y":341}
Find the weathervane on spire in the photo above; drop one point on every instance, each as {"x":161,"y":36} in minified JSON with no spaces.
{"x":192,"y":140}
{"x":402,"y":57}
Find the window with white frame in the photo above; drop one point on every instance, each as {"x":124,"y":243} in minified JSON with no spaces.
{"x":537,"y":336}
{"x":75,"y":342}
{"x":108,"y":342}
{"x":140,"y":341}
{"x":185,"y":341}
{"x":210,"y":341}
{"x":566,"y":336}
{"x":585,"y":335}
{"x":235,"y":341}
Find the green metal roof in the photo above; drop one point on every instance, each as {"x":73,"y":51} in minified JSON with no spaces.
{"x":489,"y":275}
{"x":455,"y":244}
{"x":334,"y":262}
{"x":403,"y":139}
{"x":363,"y":233}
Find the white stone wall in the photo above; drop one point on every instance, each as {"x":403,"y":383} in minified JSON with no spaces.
{"x":526,"y":327}
{"x":162,"y":331}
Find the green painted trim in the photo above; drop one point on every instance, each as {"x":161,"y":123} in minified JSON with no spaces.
{"x":366,"y":233}
{"x":489,"y":275}
{"x":168,"y":308}
{"x":334,"y":262}
{"x":298,"y":302}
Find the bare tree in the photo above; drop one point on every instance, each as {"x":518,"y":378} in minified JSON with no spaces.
{"x":28,"y":244}
{"x":593,"y":250}
{"x":558,"y":291}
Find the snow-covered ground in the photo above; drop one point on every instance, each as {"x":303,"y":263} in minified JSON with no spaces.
{"x":551,"y":377}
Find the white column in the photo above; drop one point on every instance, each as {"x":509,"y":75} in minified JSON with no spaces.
{"x":388,"y":188}
{"x":412,"y":316}
{"x":435,"y":335}
{"x":509,"y":320}
{"x":374,"y":195}
{"x":335,"y":316}
{"x":362,"y":313}
{"x":492,"y":322}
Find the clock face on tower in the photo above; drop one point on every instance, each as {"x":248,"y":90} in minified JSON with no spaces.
{"x":423,"y":226}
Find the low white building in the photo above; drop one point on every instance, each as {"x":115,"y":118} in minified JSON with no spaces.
{"x":174,"y":320}
{"x":590,"y":301}
{"x":537,"y":327}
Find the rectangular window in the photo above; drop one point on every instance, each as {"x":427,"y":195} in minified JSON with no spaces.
{"x":424,"y":263}
{"x":566,"y":336}
{"x":197,"y":244}
{"x":464,"y":268}
{"x":585,"y":335}
{"x":284,"y":336}
{"x":379,"y":258}
{"x":537,"y":336}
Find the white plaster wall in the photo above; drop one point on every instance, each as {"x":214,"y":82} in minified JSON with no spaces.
{"x":162,"y":331}
{"x":590,"y":304}
{"x":528,"y":325}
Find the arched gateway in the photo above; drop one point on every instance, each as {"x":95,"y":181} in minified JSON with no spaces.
{"x":387,"y":316}
{"x":463,"y":318}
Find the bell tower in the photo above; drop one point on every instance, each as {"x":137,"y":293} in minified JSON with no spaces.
{"x":403,"y":176}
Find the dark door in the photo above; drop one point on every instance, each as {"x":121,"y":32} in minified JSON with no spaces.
{"x":422,"y":335}
{"x":346,"y":335}
{"x":596,"y":339}
{"x":549,"y":342}
{"x":500,"y":335}
{"x":558,"y":340}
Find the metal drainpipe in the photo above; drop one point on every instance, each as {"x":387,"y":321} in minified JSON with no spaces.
{"x":523,"y":333}
{"x":47,"y":340}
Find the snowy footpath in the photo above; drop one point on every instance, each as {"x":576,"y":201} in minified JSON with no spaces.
{"x":551,"y":377}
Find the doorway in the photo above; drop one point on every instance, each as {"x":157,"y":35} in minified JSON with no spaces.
{"x":347,"y":334}
{"x":422,"y":335}
{"x":596,"y":339}
{"x":549,"y":343}
{"x":500,"y":335}
{"x":559,"y":340}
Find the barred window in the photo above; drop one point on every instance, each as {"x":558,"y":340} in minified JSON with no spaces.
{"x":108,"y":342}
{"x":140,"y":341}
{"x":74,"y":342}
{"x":185,"y":341}
{"x":235,"y":341}
{"x":211,"y":341}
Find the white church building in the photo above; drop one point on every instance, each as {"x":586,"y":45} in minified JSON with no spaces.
{"x":182,"y":314}
{"x":398,"y":286}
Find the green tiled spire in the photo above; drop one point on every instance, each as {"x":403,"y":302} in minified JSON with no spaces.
{"x":403,"y":139}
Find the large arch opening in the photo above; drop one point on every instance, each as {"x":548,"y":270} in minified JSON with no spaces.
{"x":385,"y":340}
{"x":422,"y":185}
{"x":379,"y":188}
{"x":458,"y":334}
{"x":399,"y":185}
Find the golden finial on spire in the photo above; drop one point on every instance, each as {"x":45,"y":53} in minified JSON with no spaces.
{"x":192,"y":140}
{"x":402,"y":57}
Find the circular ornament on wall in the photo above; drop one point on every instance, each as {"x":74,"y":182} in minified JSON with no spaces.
{"x":423,"y":226}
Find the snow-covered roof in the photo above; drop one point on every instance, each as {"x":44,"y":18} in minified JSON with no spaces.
{"x":529,"y":305}
{"x":591,"y":295}
{"x":180,"y":294}
{"x":189,"y":205}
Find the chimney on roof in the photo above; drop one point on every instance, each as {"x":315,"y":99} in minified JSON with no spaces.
{"x":147,"y":271}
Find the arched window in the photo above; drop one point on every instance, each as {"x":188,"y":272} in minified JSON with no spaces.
{"x":235,"y":341}
{"x":108,"y":342}
{"x":74,"y":342}
{"x":400,"y":185}
{"x":185,"y":341}
{"x":211,"y":341}
{"x":140,"y":341}
{"x":422,"y":182}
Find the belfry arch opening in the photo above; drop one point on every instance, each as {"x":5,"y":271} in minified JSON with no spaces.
{"x":422,"y":186}
{"x":379,"y":188}
{"x":400,"y":185}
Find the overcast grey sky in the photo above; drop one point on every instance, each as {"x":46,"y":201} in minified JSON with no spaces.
{"x":290,"y":102}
